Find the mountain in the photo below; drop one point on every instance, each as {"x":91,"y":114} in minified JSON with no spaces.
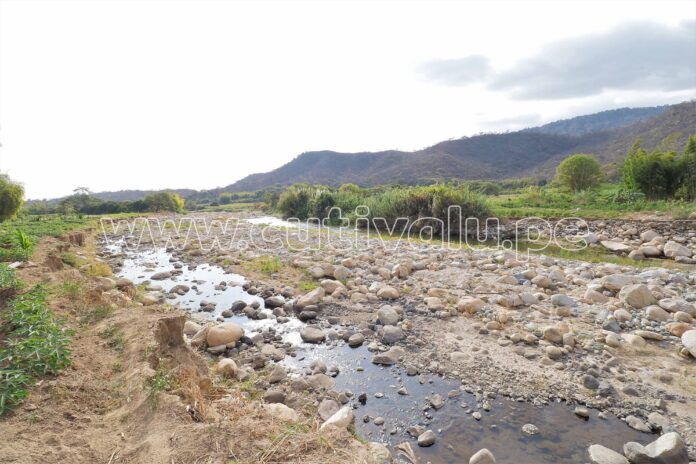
{"x":125,"y":195}
{"x":604,"y":120}
{"x":529,"y":152}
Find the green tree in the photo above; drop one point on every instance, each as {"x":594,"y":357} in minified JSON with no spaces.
{"x":164,"y":201}
{"x":11,"y":198}
{"x":579,"y":172}
{"x":687,"y":167}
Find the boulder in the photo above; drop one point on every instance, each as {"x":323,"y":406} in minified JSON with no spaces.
{"x":470,"y":304}
{"x":637,"y":296}
{"x":482,"y":456}
{"x":227,"y":333}
{"x":392,"y":334}
{"x":668,"y":449}
{"x":616,"y":282}
{"x":387,"y":293}
{"x":688,"y":339}
{"x":312,"y":335}
{"x":311,"y":298}
{"x":616,"y":247}
{"x":674,"y":249}
{"x":601,"y":455}
{"x":281,"y":412}
{"x":387,"y":315}
{"x":227,"y":368}
{"x":342,"y":419}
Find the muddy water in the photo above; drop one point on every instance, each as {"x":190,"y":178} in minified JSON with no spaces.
{"x":563,"y":437}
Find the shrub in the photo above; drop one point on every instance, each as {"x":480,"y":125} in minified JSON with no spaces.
{"x":11,"y":198}
{"x":578,"y":172}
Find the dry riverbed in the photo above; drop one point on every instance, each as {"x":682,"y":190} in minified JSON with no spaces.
{"x":534,"y":358}
{"x":296,"y":350}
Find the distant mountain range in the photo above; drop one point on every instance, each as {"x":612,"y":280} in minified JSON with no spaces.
{"x":533,"y":152}
{"x":530,"y":152}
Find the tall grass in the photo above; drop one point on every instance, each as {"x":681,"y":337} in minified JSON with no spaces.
{"x":423,"y":206}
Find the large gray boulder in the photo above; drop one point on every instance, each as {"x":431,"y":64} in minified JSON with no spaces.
{"x":668,"y":449}
{"x":638,"y":296}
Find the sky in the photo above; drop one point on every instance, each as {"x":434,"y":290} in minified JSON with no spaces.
{"x":115,"y":95}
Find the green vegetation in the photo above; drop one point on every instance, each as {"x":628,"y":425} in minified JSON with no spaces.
{"x":578,"y":173}
{"x":17,"y":236}
{"x":11,"y":198}
{"x":35,"y":345}
{"x":160,"y":382}
{"x":269,"y":265}
{"x":661,"y":175}
{"x":83,"y":202}
{"x":390,"y":203}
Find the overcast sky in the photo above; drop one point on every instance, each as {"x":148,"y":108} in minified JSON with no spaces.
{"x":149,"y":95}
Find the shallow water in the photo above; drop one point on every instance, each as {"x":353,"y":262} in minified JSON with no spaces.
{"x":563,"y":437}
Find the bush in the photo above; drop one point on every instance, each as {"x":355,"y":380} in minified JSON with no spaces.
{"x":390,"y":204}
{"x":578,"y":173}
{"x":11,"y":198}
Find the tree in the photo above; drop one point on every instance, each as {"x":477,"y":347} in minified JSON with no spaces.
{"x":656,"y":174}
{"x":164,"y":201}
{"x":11,"y":198}
{"x":687,"y":167}
{"x":579,"y":172}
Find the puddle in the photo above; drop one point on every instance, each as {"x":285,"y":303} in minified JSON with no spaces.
{"x":563,"y":437}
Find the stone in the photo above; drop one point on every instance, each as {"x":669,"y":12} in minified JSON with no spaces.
{"x":426,"y":438}
{"x":482,"y":456}
{"x":392,"y":334}
{"x":673,"y":305}
{"x":274,"y":396}
{"x":312,"y":335}
{"x":677,"y":328}
{"x":616,"y":282}
{"x":390,"y":357}
{"x":341,"y":419}
{"x":227,"y":333}
{"x":553,"y":335}
{"x":560,"y":299}
{"x":668,"y":449}
{"x":277,"y":374}
{"x":616,"y":247}
{"x":649,"y":235}
{"x":342,"y":273}
{"x":554,"y":352}
{"x":590,"y":382}
{"x":387,"y":315}
{"x":595,"y":297}
{"x":674,"y":249}
{"x":281,"y":412}
{"x":161,"y":275}
{"x":638,"y":424}
{"x":311,"y":298}
{"x":541,"y":281}
{"x":470,"y":305}
{"x":328,"y":408}
{"x":637,"y":296}
{"x":601,"y":455}
{"x":275,"y":301}
{"x":688,"y":339}
{"x":227,"y":367}
{"x":191,"y":328}
{"x":434,"y":303}
{"x":387,"y":293}
{"x":530,"y":429}
{"x":356,"y":340}
{"x":379,"y":452}
{"x":655,"y":313}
